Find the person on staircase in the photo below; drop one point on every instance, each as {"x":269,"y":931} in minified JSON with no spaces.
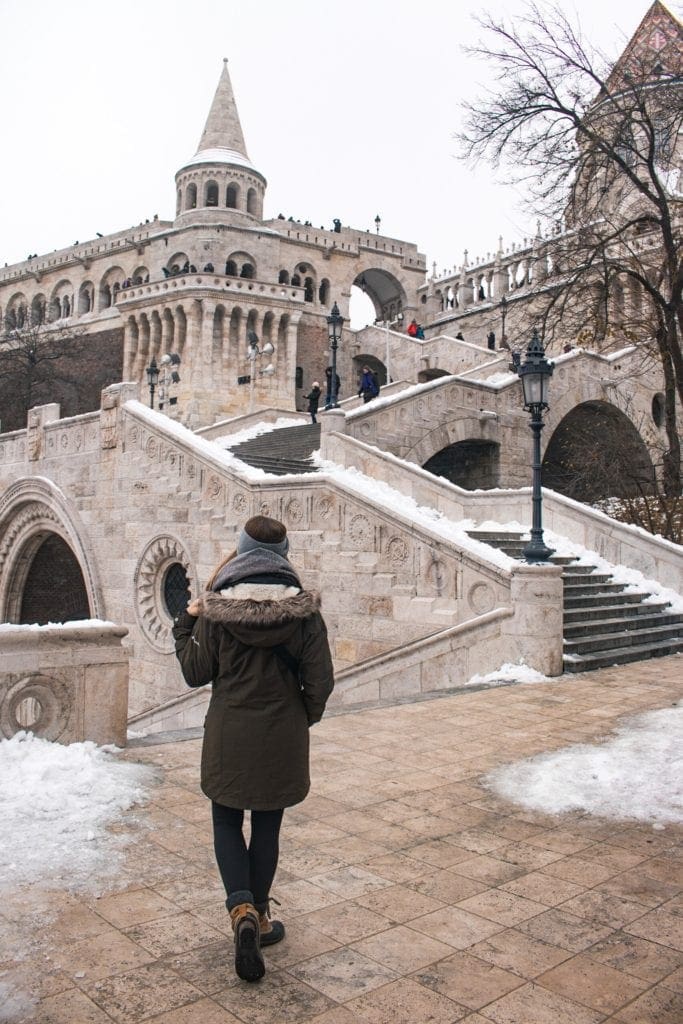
{"x":313,"y":398}
{"x":369,"y":385}
{"x":259,"y":638}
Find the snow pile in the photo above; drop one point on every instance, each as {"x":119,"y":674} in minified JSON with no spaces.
{"x":57,"y":802}
{"x":509,"y":673}
{"x":636,"y":774}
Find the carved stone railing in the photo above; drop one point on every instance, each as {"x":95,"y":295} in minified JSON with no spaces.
{"x":65,"y":682}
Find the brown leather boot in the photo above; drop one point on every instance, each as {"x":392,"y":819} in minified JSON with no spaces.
{"x":249,"y":965}
{"x":271,"y":931}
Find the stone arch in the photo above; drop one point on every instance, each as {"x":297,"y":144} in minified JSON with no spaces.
{"x":473,"y":464}
{"x":177,"y":262}
{"x":140,"y":275}
{"x":324,"y":292}
{"x":38,"y":309}
{"x":110,"y":283}
{"x":180,"y":329}
{"x":439,"y":433}
{"x":595,"y":451}
{"x":211,"y":193}
{"x":15,"y":313}
{"x":283,"y":277}
{"x":243,"y":263}
{"x":252,"y":202}
{"x":31,"y":512}
{"x":267,"y":327}
{"x":384,"y":290}
{"x":191,"y":196}
{"x":60,"y":301}
{"x":431,"y":373}
{"x":232,"y":196}
{"x":86,"y":298}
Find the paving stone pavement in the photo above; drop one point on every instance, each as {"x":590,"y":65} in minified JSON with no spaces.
{"x":410,"y":893}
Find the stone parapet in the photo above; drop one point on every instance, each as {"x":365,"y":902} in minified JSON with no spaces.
{"x":65,"y":682}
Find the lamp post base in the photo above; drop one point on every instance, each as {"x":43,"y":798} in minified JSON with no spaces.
{"x":537,"y":553}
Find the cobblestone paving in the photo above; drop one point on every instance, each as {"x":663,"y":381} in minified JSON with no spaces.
{"x":411,"y":894}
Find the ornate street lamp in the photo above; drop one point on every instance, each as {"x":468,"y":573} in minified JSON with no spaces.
{"x":152,"y":372}
{"x":335,"y":322}
{"x":378,"y":221}
{"x":535,"y":374}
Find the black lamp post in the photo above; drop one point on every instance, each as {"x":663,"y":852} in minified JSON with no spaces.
{"x":535,"y":374}
{"x":152,"y":372}
{"x":335,"y":322}
{"x":378,"y":221}
{"x":503,"y":313}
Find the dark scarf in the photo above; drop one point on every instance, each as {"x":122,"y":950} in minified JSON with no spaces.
{"x":256,"y":566}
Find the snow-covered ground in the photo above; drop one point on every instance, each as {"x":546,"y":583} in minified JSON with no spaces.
{"x":635,"y":774}
{"x":57,"y":802}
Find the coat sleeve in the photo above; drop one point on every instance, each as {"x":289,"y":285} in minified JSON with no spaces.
{"x":317,"y":674}
{"x":195,"y":649}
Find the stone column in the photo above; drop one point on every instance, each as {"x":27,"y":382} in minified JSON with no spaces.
{"x":333,"y":421}
{"x":535,"y":630}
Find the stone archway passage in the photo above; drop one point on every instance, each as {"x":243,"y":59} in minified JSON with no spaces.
{"x":54,"y":590}
{"x":470,"y":464}
{"x":596,"y":452}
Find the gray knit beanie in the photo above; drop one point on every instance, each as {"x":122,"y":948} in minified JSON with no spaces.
{"x":247,"y":543}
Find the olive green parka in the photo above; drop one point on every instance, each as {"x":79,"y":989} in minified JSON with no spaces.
{"x":255,"y":753}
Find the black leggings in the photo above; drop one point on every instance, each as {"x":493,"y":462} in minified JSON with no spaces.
{"x":251,"y":868}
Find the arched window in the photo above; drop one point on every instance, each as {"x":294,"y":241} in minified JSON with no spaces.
{"x":296,"y":280}
{"x":324,"y":292}
{"x":309,"y":292}
{"x":283,"y":277}
{"x":247,"y":270}
{"x":230,"y":268}
{"x":231,"y":197}
{"x":176,"y":589}
{"x":54,"y":590}
{"x":191,"y":197}
{"x":38,"y":311}
{"x":211,"y":194}
{"x":252,"y":201}
{"x":178,"y":202}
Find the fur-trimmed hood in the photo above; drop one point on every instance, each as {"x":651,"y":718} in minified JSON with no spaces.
{"x":261,"y":613}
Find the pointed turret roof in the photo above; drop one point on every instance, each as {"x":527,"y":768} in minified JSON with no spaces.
{"x":656,"y":47}
{"x":222,"y":140}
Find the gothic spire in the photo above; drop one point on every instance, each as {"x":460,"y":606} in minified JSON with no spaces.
{"x":223,"y":129}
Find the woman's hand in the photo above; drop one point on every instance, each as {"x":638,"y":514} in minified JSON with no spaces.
{"x":193,"y":607}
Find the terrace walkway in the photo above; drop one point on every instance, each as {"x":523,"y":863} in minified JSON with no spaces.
{"x":409,"y":892}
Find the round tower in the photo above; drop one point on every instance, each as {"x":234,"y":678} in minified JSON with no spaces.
{"x":220,"y":182}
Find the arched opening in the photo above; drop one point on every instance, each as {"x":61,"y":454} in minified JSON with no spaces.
{"x":230,"y":268}
{"x":191,"y":197}
{"x":231,"y":197}
{"x":247,"y":271}
{"x":324,"y":292}
{"x":596,"y":452}
{"x":283,"y":277}
{"x":375,"y":295}
{"x":309,"y":290}
{"x":211,"y":194}
{"x":471,"y":464}
{"x":252,"y":202}
{"x":431,"y":374}
{"x":38,"y":307}
{"x":54,"y":590}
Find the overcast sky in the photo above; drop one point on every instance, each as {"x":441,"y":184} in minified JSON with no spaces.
{"x":348,"y":108}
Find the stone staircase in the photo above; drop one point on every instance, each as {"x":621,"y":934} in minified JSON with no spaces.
{"x":603,"y":625}
{"x":281,"y":451}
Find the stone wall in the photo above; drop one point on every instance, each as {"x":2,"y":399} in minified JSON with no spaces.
{"x":65,"y":683}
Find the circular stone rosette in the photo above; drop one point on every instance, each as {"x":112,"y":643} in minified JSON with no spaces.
{"x":37,"y":703}
{"x":152,"y":614}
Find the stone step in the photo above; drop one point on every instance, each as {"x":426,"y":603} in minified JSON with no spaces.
{"x":624,"y":638}
{"x":590,"y":587}
{"x":602,"y":599}
{"x":610,"y":611}
{"x":621,"y":655}
{"x":623,"y":622}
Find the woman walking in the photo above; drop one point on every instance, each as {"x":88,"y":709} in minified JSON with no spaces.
{"x":260,"y":639}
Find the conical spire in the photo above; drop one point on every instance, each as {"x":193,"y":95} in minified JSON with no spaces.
{"x":223,"y":129}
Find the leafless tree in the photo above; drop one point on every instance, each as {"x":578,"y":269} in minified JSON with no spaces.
{"x":595,"y":145}
{"x":40,"y":363}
